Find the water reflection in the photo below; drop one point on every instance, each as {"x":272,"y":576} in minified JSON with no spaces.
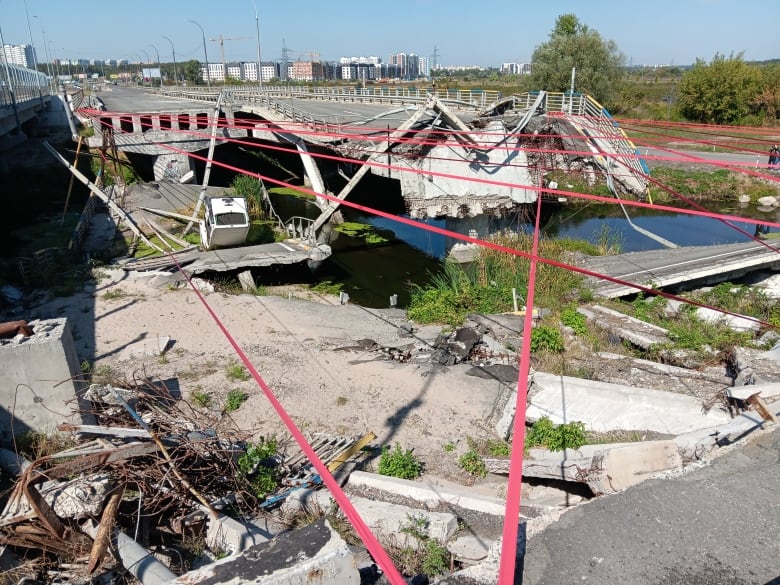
{"x":411,"y":255}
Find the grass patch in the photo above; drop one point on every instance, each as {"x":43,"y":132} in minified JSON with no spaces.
{"x":485,"y":285}
{"x":235,"y":398}
{"x":236,"y":372}
{"x":718,"y":185}
{"x":544,"y":433}
{"x":201,"y":398}
{"x":292,"y":192}
{"x":327,"y":287}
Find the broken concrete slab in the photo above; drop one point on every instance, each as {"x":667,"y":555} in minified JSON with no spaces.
{"x":605,"y":469}
{"x":755,"y":366}
{"x":469,"y":548}
{"x":391,"y":522}
{"x":638,"y":332}
{"x":230,"y":535}
{"x":604,"y":407}
{"x":314,"y":554}
{"x":428,"y":494}
{"x":739,"y":323}
{"x":697,"y":444}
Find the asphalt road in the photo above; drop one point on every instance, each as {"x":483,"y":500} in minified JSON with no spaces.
{"x":717,"y":525}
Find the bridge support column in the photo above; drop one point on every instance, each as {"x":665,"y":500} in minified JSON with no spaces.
{"x":172,"y":167}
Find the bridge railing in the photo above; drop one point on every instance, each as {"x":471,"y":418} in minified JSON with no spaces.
{"x":599,"y":120}
{"x":26,"y":84}
{"x":394,"y":95}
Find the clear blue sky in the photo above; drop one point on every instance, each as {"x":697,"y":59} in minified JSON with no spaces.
{"x":465,"y":32}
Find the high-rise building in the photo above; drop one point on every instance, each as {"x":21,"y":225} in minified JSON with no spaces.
{"x":23,"y":55}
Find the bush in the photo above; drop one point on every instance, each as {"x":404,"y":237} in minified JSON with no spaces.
{"x":399,"y":463}
{"x":259,"y":467}
{"x":556,"y":438}
{"x":546,"y":338}
{"x":235,"y":398}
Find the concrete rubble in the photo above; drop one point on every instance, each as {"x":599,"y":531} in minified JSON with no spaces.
{"x":141,"y":426}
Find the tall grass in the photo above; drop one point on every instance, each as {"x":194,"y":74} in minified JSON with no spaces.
{"x":485,"y":285}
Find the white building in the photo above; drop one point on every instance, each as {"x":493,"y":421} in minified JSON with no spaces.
{"x":23,"y":55}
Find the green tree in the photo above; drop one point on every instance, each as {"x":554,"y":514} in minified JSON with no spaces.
{"x":767,"y":102}
{"x":719,"y":92}
{"x":192,"y":71}
{"x":598,"y":62}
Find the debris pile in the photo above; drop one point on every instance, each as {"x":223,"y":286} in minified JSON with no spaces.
{"x":147,"y":476}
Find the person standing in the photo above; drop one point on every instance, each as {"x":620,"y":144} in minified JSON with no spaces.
{"x":774,"y":156}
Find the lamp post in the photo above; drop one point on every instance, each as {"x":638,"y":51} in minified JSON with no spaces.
{"x":45,"y":48}
{"x":141,"y":61}
{"x":159,"y":65}
{"x":205,"y":54}
{"x":257,"y":29}
{"x":175,"y":72}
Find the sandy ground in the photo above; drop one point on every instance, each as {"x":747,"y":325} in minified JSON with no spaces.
{"x":298,"y":348}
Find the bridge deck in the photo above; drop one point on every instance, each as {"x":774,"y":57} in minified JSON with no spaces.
{"x":694,"y":264}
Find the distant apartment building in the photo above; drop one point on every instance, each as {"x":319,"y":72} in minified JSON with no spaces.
{"x":410,"y":66}
{"x":360,"y":68}
{"x":23,"y":55}
{"x":516,"y":68}
{"x":306,"y":71}
{"x":268,"y":71}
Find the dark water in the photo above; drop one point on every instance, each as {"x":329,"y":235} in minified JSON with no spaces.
{"x":371,"y":274}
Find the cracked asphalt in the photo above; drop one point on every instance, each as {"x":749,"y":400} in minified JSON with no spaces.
{"x":715,"y":525}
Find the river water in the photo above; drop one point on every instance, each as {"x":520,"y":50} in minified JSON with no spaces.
{"x":370,"y":274}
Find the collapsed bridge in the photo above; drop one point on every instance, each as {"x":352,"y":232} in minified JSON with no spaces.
{"x":452,"y":157}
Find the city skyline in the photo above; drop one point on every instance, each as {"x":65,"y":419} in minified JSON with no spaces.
{"x":670,"y":33}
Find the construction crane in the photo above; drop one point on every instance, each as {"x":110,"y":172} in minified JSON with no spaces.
{"x":221,"y":40}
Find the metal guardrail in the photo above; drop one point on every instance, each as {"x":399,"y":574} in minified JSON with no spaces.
{"x":395,"y":95}
{"x":26,"y":84}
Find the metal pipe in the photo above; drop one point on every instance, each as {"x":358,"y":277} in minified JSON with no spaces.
{"x":135,"y":558}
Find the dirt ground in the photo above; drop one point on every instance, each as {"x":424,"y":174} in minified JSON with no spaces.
{"x":308,"y":354}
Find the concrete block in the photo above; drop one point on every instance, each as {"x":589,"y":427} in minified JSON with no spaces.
{"x":638,"y":332}
{"x":735,"y":322}
{"x":39,"y":385}
{"x":388,"y":521}
{"x":227,"y":534}
{"x":604,"y":468}
{"x":314,"y":554}
{"x":428,"y":494}
{"x":607,"y":407}
{"x":469,"y":548}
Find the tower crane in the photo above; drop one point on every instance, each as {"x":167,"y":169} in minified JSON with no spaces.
{"x":221,"y":40}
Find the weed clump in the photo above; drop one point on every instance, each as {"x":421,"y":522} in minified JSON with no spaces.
{"x":399,"y":462}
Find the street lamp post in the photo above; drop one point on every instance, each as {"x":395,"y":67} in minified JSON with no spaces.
{"x":205,"y":54}
{"x":257,"y":29}
{"x":175,"y":72}
{"x":141,"y":61}
{"x":148,"y":62}
{"x":45,"y":48}
{"x":159,"y":65}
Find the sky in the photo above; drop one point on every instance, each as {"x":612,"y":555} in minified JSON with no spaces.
{"x":463,"y":32}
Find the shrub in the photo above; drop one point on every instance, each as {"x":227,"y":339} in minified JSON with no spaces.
{"x":546,"y":338}
{"x":236,"y":371}
{"x":555,"y":438}
{"x":259,"y":467}
{"x":399,"y":463}
{"x":235,"y":398}
{"x":471,"y":462}
{"x":571,"y":318}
